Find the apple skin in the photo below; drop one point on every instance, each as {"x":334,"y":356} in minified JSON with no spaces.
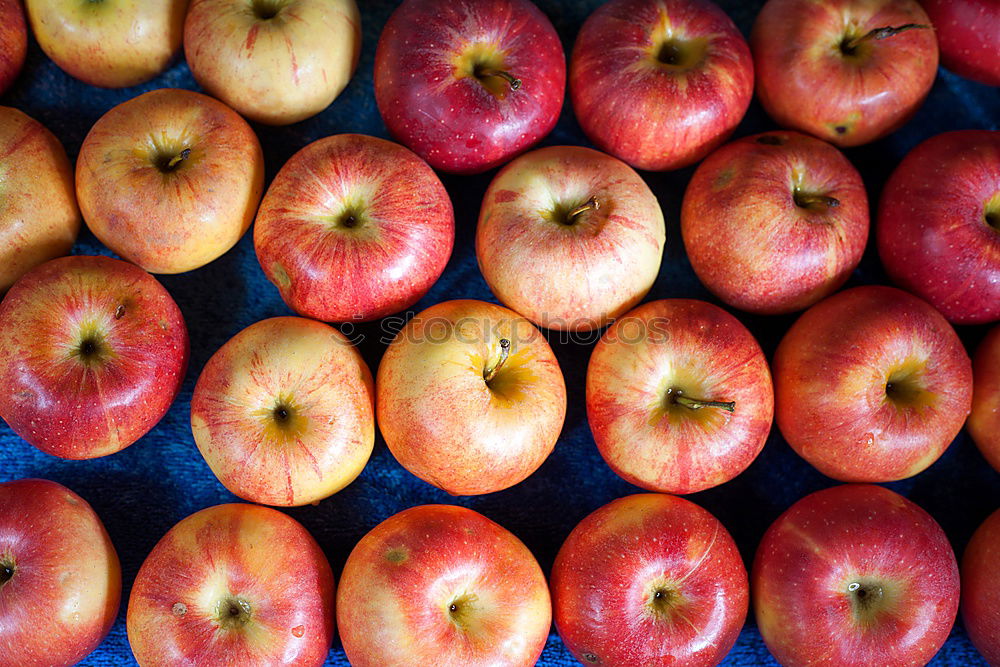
{"x":604,"y":261}
{"x":757,"y":230}
{"x":981,"y":589}
{"x":93,"y":351}
{"x":659,"y":115}
{"x":615,"y":563}
{"x":670,"y":348}
{"x":440,"y":417}
{"x":275,"y":70}
{"x":399,"y":585}
{"x":984,"y":420}
{"x":806,"y":82}
{"x":58,"y":570}
{"x":284,"y":412}
{"x":354,"y":228}
{"x":109,"y":44}
{"x":815,"y":552}
{"x":170,"y":219}
{"x":39,"y":218}
{"x":938,"y":228}
{"x":233,"y":584}
{"x":968,"y":33}
{"x":431,"y":100}
{"x":832,"y":372}
{"x":14,"y":37}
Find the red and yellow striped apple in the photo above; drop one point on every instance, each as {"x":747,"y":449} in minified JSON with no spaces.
{"x":14,"y":37}
{"x":981,"y":589}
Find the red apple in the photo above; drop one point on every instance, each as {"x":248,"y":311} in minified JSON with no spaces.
{"x":469,"y":84}
{"x":981,"y":589}
{"x":92,"y":353}
{"x":470,"y":397}
{"x":968,"y":32}
{"x":284,"y":412}
{"x":354,"y":228}
{"x":170,"y":180}
{"x":679,"y":396}
{"x":853,"y":576}
{"x":39,"y":218}
{"x":14,"y":38}
{"x":775,"y":222}
{"x":984,"y":420}
{"x":233,"y":584}
{"x":569,"y":237}
{"x":649,"y":579}
{"x":939,"y":224}
{"x":846,"y":71}
{"x":109,"y":44}
{"x":60,"y":582}
{"x":660,"y":83}
{"x":445,"y":586}
{"x":274,"y":61}
{"x":871,"y":385}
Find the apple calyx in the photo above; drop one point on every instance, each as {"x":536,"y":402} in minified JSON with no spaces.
{"x":591,"y":204}
{"x":491,"y":372}
{"x":849,"y":46}
{"x":483,"y":72}
{"x":232,"y":613}
{"x":677,"y":397}
{"x":811,"y":201}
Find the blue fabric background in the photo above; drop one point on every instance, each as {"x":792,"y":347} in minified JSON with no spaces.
{"x":143,"y":491}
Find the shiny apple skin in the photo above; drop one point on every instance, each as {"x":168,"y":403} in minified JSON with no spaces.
{"x":703,"y":352}
{"x":751,"y":244}
{"x":440,"y":418}
{"x":78,"y":406}
{"x":39,"y":218}
{"x":450,"y":119}
{"x":933,"y":233}
{"x":984,"y":420}
{"x":805,"y":82}
{"x":611,"y":567}
{"x":176,"y":221}
{"x":968,"y":33}
{"x":981,"y":589}
{"x":312,"y":373}
{"x":63,"y":597}
{"x":111,"y":43}
{"x":396,"y":592}
{"x":854,"y":533}
{"x":278,"y":70}
{"x":235,"y":552}
{"x":653,"y":115}
{"x":401,"y":232}
{"x":603,"y":264}
{"x":14,"y":37}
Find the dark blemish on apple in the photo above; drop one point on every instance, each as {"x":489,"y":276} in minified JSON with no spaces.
{"x":179,"y":609}
{"x":396,"y":555}
{"x":840,"y":129}
{"x":120,"y":312}
{"x":771,"y":140}
{"x":591,"y":657}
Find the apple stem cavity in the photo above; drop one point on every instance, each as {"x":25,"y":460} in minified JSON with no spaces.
{"x":491,"y":372}
{"x":813,"y":201}
{"x":6,"y":573}
{"x":591,"y":204}
{"x":849,"y":46}
{"x":676,"y":396}
{"x":487,"y":72}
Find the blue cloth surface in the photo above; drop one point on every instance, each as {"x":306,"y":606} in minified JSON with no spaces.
{"x":143,"y":491}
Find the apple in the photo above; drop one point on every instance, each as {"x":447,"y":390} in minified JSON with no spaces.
{"x":14,"y":37}
{"x":968,"y":33}
{"x":442,"y":585}
{"x":109,"y":44}
{"x":679,"y":396}
{"x":60,"y":581}
{"x":569,"y":237}
{"x":660,"y":83}
{"x":275,"y":61}
{"x":469,"y":397}
{"x":233,"y":584}
{"x":871,"y":385}
{"x":170,"y":180}
{"x":984,"y":420}
{"x":981,"y":589}
{"x":938,"y":226}
{"x":469,"y":84}
{"x":92,"y":353}
{"x":854,"y":575}
{"x":775,"y":222}
{"x":354,"y":228}
{"x":39,"y":218}
{"x":649,"y":579}
{"x":284,"y":412}
{"x":845,"y":71}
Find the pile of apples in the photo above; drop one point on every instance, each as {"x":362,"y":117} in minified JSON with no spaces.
{"x":869,"y":385}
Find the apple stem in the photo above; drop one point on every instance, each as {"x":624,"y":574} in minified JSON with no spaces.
{"x":491,"y":373}
{"x":883,"y":33}
{"x":698,"y":404}
{"x":808,"y":201}
{"x":177,"y":159}
{"x":590,"y":205}
{"x":514,"y":82}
